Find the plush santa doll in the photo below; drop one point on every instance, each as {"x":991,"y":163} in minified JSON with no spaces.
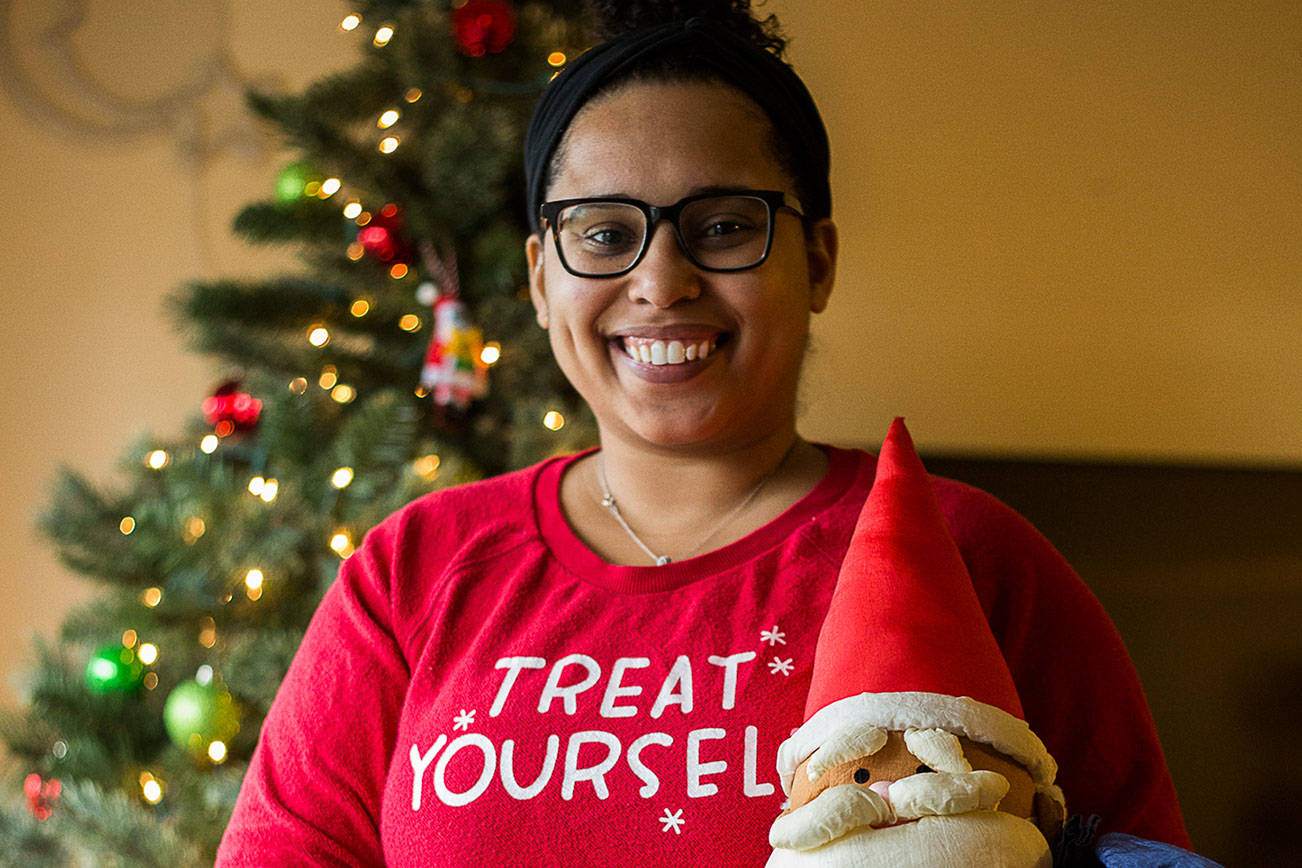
{"x":914,"y":751}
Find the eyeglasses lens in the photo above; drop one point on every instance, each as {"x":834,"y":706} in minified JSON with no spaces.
{"x":718,"y":232}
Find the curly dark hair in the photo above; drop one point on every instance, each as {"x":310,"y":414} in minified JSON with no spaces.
{"x":610,"y":18}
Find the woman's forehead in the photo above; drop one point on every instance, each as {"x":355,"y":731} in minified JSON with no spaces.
{"x":666,"y":137}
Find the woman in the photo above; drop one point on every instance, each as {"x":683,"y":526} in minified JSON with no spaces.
{"x":592,"y":661}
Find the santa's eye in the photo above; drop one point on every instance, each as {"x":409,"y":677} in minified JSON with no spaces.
{"x":923,"y":769}
{"x":861,"y":776}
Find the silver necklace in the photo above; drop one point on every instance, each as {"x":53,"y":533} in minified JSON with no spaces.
{"x":608,"y":501}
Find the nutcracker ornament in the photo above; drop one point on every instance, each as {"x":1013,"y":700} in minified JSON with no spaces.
{"x":454,"y":372}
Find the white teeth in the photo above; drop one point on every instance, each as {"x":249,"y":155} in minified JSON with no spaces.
{"x":657,"y":352}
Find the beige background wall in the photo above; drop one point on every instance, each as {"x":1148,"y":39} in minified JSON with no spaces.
{"x":1070,"y":229}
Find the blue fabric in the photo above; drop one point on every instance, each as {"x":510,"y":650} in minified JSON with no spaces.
{"x":1116,"y":850}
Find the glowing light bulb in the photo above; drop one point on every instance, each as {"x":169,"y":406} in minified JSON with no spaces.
{"x":388,"y":144}
{"x":409,"y":322}
{"x":352,"y":209}
{"x":151,"y":597}
{"x":208,"y":445}
{"x":329,"y":376}
{"x":217,"y":752}
{"x":427,"y":467}
{"x":318,"y":336}
{"x":413,"y":94}
{"x":343,"y":394}
{"x":129,"y":639}
{"x":360,"y":308}
{"x":350,"y":22}
{"x":127,"y":525}
{"x":491,"y":352}
{"x":256,"y":484}
{"x":363,"y":219}
{"x":148,"y":653}
{"x":556,"y":58}
{"x":383,"y":35}
{"x":388,"y":119}
{"x":329,"y":187}
{"x":157,"y":459}
{"x":341,"y":543}
{"x":253,"y":578}
{"x":203,"y":675}
{"x":342,"y":477}
{"x":553,"y":421}
{"x":151,"y":788}
{"x":268,"y":493}
{"x":207,"y":638}
{"x":298,"y":385}
{"x":151,"y":680}
{"x":194,"y":528}
{"x":398,"y":271}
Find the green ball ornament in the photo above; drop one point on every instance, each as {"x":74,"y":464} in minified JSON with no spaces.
{"x":291,"y":183}
{"x":114,"y":669}
{"x":197,"y":714}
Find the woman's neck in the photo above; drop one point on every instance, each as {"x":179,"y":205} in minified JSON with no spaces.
{"x":681,"y":504}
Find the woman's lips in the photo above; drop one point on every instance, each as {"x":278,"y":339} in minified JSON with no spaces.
{"x":666,"y":359}
{"x":655,"y":351}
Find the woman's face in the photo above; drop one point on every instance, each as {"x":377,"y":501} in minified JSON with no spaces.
{"x":660,"y":142}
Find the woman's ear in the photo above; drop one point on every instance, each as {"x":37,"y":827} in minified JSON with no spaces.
{"x":820,"y":251}
{"x":533,"y":253}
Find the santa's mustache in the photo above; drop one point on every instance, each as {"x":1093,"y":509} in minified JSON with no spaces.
{"x":841,"y":809}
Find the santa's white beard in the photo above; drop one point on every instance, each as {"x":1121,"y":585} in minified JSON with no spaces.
{"x":979,"y":839}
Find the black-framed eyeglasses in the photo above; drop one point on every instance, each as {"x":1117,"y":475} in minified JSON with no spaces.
{"x":608,"y":236}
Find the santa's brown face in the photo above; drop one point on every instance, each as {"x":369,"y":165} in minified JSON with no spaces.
{"x":894,"y":761}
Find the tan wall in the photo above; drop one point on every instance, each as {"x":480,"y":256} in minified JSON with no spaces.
{"x":1070,"y":229}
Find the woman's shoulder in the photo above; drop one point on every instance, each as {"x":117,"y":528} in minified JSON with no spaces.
{"x":498,"y":510}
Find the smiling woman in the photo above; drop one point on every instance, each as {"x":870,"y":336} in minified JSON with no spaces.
{"x":562,"y":665}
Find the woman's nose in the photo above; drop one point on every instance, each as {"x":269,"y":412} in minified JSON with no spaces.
{"x":664,"y":276}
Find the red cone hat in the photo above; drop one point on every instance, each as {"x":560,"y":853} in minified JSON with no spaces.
{"x":905,"y":644}
{"x":904,"y":616}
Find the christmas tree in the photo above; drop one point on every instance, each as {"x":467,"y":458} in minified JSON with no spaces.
{"x":401,"y":358}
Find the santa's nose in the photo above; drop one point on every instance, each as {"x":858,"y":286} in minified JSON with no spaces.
{"x":882,"y":788}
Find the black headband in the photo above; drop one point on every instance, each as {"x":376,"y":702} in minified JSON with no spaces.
{"x":759,"y":74}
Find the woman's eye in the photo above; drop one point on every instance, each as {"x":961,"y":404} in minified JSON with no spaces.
{"x":861,"y":776}
{"x":723,"y":227}
{"x":924,"y":769}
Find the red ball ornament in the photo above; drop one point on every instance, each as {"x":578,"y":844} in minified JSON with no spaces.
{"x":230,"y":410}
{"x":382,"y":237}
{"x":483,"y":26}
{"x":41,"y":795}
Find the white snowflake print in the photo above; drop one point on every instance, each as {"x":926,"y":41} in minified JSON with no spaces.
{"x":779,"y":665}
{"x":672,"y":821}
{"x":773,"y":637}
{"x":464,"y":719}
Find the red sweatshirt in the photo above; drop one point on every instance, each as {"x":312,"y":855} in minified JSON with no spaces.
{"x":478,"y":688}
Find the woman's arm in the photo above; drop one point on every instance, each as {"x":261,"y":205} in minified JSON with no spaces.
{"x":1078,"y":687}
{"x":313,"y":789}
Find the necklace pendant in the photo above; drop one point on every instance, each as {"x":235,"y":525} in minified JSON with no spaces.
{"x":662,"y":560}
{"x":608,"y":501}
